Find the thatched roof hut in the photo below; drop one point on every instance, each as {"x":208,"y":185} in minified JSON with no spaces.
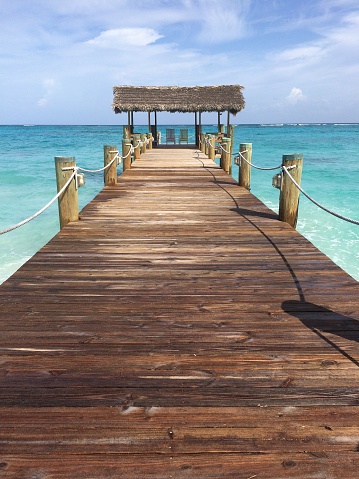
{"x":178,"y":99}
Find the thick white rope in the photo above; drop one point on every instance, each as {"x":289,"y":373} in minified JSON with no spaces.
{"x":95,"y":171}
{"x":257,"y":167}
{"x":130,"y":151}
{"x":221,"y":147}
{"x":74,"y":174}
{"x":42,"y":209}
{"x":315,"y":202}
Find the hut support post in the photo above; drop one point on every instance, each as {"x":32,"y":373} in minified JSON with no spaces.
{"x":126,"y":146}
{"x":156,"y":133}
{"x":110,"y":173}
{"x":126,"y":131}
{"x":153,"y":130}
{"x":68,"y":201}
{"x":197,"y":129}
{"x":289,"y":193}
{"x":244,"y":176}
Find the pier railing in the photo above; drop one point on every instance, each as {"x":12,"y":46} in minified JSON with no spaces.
{"x":70,"y":177}
{"x":287,"y":180}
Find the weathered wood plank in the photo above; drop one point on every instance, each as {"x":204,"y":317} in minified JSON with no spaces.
{"x":179,"y":330}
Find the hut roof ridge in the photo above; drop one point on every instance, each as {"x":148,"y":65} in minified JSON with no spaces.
{"x":178,"y":98}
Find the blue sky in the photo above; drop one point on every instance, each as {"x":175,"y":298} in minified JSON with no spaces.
{"x":297,"y":59}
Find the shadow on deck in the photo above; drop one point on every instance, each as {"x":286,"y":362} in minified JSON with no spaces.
{"x":165,"y":334}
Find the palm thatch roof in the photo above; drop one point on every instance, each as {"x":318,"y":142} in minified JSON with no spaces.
{"x":178,"y":99}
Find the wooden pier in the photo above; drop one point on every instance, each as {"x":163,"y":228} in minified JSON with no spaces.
{"x":179,"y":330}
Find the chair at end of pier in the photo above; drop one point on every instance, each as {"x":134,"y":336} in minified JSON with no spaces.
{"x":183,"y":137}
{"x":170,"y":136}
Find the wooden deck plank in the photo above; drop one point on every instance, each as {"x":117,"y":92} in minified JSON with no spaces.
{"x":179,"y":330}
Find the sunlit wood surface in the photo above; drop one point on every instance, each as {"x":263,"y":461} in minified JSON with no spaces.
{"x":179,"y":330}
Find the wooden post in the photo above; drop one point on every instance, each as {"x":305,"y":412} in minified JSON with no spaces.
{"x":289,"y":193}
{"x":202,"y":145}
{"x":126,"y":146}
{"x":206,"y":143}
{"x":135,"y":140}
{"x":150,"y":138}
{"x":211,"y":149}
{"x":110,"y":173}
{"x":244,"y":177}
{"x":155,"y":134}
{"x":126,"y":131}
{"x":195,"y":129}
{"x":230,"y":132}
{"x":226,"y":157}
{"x":199,"y":137}
{"x":68,"y":201}
{"x":143,"y":141}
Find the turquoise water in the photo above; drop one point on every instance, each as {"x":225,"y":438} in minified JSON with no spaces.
{"x":330,"y":175}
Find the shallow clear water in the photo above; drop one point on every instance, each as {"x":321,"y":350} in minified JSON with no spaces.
{"x":330,"y":175}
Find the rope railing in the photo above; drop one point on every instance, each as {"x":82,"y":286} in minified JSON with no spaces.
{"x":219,"y":145}
{"x":286,"y":171}
{"x":223,"y":149}
{"x":130,"y":151}
{"x":257,"y":167}
{"x":79,"y":179}
{"x":79,"y":168}
{"x":355,"y":222}
{"x":75,"y":175}
{"x":38,"y":213}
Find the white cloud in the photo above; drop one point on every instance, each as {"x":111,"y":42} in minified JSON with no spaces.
{"x":346,"y":34}
{"x":48,"y":84}
{"x":124,"y":37}
{"x":92,"y":45}
{"x":295,"y":96}
{"x":221,"y":21}
{"x":300,"y":53}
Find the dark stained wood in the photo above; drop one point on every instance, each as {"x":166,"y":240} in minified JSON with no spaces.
{"x":179,"y":330}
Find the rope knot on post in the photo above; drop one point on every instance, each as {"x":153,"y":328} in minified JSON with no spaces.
{"x":68,"y":202}
{"x":289,"y":193}
{"x":244,"y":174}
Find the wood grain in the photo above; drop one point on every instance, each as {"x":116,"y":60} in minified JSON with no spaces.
{"x":178,"y":329}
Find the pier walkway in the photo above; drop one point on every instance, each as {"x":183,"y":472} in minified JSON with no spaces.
{"x":179,"y":330}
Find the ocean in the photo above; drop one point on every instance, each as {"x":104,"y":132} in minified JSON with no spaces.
{"x":330,"y":176}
